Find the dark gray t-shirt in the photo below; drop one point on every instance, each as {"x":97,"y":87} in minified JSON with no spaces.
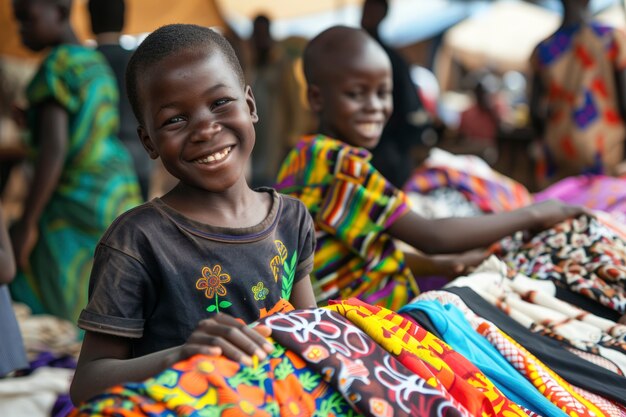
{"x":157,"y":273}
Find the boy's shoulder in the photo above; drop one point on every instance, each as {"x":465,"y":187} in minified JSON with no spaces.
{"x":292,"y":208}
{"x":138,"y":219}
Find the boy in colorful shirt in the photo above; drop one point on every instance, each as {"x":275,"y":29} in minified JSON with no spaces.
{"x":358,"y":214}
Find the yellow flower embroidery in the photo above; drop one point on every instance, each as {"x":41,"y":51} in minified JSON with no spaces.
{"x":212,"y":280}
{"x":279,"y":259}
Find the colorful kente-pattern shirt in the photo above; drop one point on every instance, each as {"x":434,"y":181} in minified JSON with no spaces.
{"x":352,"y":205}
{"x":584,"y":131}
{"x":158,"y":273}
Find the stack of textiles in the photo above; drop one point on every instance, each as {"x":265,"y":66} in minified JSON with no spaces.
{"x":532,"y":332}
{"x":433,"y":358}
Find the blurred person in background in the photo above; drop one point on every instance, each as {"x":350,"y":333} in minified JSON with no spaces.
{"x":479,"y":124}
{"x":272,"y":78}
{"x":577,"y":100}
{"x":83,"y":176}
{"x":107,"y":22}
{"x":403,"y":132}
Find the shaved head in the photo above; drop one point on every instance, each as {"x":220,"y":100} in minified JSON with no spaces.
{"x":337,"y":48}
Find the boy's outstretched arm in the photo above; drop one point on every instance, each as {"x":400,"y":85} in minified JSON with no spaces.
{"x":450,"y":235}
{"x":105,"y":359}
{"x":7,"y":271}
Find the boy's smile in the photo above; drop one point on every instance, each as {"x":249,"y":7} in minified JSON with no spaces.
{"x":198,"y":119}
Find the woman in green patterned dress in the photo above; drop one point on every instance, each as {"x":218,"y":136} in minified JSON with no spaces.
{"x":83,"y":177}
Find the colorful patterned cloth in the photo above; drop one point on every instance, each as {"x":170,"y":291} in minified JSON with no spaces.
{"x":352,"y":205}
{"x":369,"y":376}
{"x":322,"y":365}
{"x":584,"y":131}
{"x":551,"y":385}
{"x":415,"y":347}
{"x":213,"y":386}
{"x":492,"y":195}
{"x":582,"y":254}
{"x":97,"y":182}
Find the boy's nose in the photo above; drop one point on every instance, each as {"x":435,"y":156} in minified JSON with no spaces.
{"x":373,"y":103}
{"x":206,"y":130}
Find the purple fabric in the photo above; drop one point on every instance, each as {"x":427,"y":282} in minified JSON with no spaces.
{"x":598,"y":192}
{"x":62,"y":407}
{"x":53,"y":361}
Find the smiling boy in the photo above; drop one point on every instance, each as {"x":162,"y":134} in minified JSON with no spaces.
{"x":358,"y":214}
{"x":181,"y":274}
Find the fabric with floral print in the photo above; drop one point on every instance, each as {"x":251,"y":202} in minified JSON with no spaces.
{"x":367,"y":374}
{"x":282,"y":385}
{"x":582,"y":254}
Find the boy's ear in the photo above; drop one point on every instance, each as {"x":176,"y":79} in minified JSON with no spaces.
{"x":146,"y":141}
{"x":251,"y":104}
{"x":314,"y":96}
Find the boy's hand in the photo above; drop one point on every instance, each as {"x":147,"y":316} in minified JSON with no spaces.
{"x":550,"y":212}
{"x":224,"y":335}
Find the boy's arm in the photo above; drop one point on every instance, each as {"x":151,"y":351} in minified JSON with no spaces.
{"x":105,"y":359}
{"x":7,"y":272}
{"x":452,"y":235}
{"x":302,"y":295}
{"x":104,"y":362}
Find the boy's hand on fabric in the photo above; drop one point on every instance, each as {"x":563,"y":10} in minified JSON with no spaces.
{"x":550,"y":212}
{"x":224,"y":335}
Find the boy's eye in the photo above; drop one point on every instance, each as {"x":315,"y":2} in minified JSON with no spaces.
{"x":221,"y":102}
{"x":172,"y":120}
{"x":354,"y":94}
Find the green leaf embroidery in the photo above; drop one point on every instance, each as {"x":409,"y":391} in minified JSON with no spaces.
{"x":225,"y":304}
{"x":290,"y":271}
{"x":211,"y":308}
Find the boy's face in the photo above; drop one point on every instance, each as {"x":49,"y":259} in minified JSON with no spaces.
{"x":354,"y":98}
{"x":198,"y":119}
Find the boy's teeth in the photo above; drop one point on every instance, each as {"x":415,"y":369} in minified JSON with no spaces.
{"x":217,"y":156}
{"x":369,"y":128}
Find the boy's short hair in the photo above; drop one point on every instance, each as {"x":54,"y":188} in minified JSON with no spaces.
{"x":318,"y":53}
{"x":169,"y":40}
{"x":106,"y":15}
